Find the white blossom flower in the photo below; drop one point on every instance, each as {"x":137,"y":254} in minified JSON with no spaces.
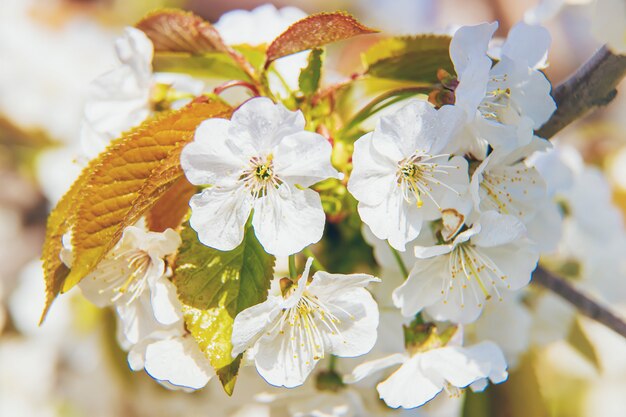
{"x":608,"y":24}
{"x":506,"y":102}
{"x":453,"y":280}
{"x":261,"y":26}
{"x":260,"y":161}
{"x":425,"y":373}
{"x":302,"y":322}
{"x":507,"y":183}
{"x":133,"y":278}
{"x":120,"y":99}
{"x":402,"y":173}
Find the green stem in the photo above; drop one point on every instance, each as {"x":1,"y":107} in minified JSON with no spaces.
{"x":384,"y":100}
{"x":316,"y":264}
{"x":293,"y":274}
{"x":332,"y":362}
{"x":400,"y":262}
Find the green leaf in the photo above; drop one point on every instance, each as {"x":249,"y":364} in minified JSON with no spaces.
{"x":577,"y":338}
{"x":255,"y":55}
{"x":409,"y":58}
{"x":309,"y":80}
{"x":214,"y":287}
{"x":206,"y":65}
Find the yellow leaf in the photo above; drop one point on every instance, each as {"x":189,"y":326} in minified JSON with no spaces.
{"x":315,"y":31}
{"x":59,"y":223}
{"x":117,"y":188}
{"x":129,"y":179}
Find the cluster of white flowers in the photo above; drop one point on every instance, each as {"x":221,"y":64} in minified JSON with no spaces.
{"x":457,"y":201}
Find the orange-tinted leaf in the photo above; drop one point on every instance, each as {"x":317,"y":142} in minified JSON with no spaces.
{"x":171,"y":208}
{"x":128,"y":179}
{"x":315,"y":31}
{"x":59,"y":223}
{"x":174,"y":30}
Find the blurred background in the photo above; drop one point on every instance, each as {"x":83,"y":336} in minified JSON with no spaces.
{"x":49,"y":52}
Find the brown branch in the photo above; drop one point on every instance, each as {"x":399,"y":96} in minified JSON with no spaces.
{"x":583,"y":303}
{"x":592,"y":85}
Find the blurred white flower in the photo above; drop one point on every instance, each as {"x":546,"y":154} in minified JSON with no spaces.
{"x":261,"y":162}
{"x":425,"y":373}
{"x":46,"y":67}
{"x":261,"y":26}
{"x":402,"y":173}
{"x":302,"y":322}
{"x":120,"y":99}
{"x":452,"y":281}
{"x":506,"y":102}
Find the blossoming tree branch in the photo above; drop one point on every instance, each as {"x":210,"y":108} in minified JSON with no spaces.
{"x":242,"y":205}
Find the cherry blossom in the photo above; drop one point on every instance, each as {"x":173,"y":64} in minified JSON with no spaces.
{"x":402,"y":173}
{"x":302,"y":322}
{"x":262,"y":161}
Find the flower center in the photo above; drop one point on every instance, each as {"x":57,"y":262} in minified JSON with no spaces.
{"x":416,"y":175}
{"x":497,"y":100}
{"x":260,"y":175}
{"x":131,"y":280}
{"x":470,"y":268}
{"x":306,"y":323}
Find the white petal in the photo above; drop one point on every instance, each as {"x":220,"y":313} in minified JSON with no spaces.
{"x":250,"y":324}
{"x":462,"y":305}
{"x":304,"y":158}
{"x":372,"y":367}
{"x":167,"y":309}
{"x":473,"y":85}
{"x":426,"y":252}
{"x":178,"y":361}
{"x":498,"y":229}
{"x":527,"y":43}
{"x":209,"y":159}
{"x":287,"y":220}
{"x":470,"y":42}
{"x":356,"y":315}
{"x":422,"y":288}
{"x":408,"y":387}
{"x":219,"y":216}
{"x":135,"y":49}
{"x":159,"y":245}
{"x":259,"y":125}
{"x":490,"y":358}
{"x":464,"y":366}
{"x":373,"y":175}
{"x":516,"y":261}
{"x":282,"y":361}
{"x":393,"y":219}
{"x":414,"y":127}
{"x":329,"y":285}
{"x":449,"y":120}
